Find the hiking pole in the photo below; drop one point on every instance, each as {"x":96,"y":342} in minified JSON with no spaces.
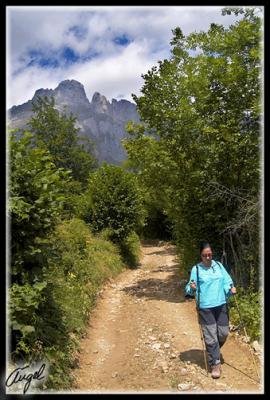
{"x":242,"y":324}
{"x":201,"y":334}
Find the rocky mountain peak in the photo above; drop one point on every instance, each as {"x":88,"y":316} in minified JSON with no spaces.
{"x":96,"y":97}
{"x":43,"y":93}
{"x":72,"y":93}
{"x":70,"y":84}
{"x":103,"y":122}
{"x":100,"y":103}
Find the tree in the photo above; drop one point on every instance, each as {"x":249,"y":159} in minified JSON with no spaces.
{"x":113,"y":201}
{"x":36,"y":201}
{"x":203,"y":105}
{"x":57,"y":133}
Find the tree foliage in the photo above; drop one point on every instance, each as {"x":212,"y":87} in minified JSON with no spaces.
{"x":36,"y":201}
{"x":57,"y":133}
{"x":48,"y":318}
{"x":203,"y":107}
{"x":113,"y":201}
{"x":52,"y":262}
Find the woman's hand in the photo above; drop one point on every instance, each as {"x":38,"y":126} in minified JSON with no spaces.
{"x":233,"y":290}
{"x":193,"y":285}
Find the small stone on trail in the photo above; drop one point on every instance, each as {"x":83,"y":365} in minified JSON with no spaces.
{"x":167,"y":345}
{"x":221,"y":384}
{"x":114,"y":374}
{"x":164,"y":366}
{"x":183,"y":386}
{"x":246,"y":339}
{"x":183,"y":371}
{"x":256,"y":346}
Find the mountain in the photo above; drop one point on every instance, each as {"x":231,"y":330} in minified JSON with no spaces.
{"x":100,"y":120}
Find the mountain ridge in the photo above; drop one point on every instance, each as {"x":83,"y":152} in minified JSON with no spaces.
{"x":99,"y":119}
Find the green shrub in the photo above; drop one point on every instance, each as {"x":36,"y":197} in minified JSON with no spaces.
{"x":106,"y":234}
{"x":130,"y":249}
{"x":36,"y":201}
{"x":113,"y":200}
{"x":250,"y":306}
{"x":79,"y":264}
{"x":53,"y":314}
{"x":24,"y":301}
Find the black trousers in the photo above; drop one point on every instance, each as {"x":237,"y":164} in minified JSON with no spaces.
{"x":215,"y":327}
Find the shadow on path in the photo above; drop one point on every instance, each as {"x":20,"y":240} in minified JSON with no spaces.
{"x":159,"y":289}
{"x":195,"y":356}
{"x":163,"y":252}
{"x":242,"y":372}
{"x":150,"y":242}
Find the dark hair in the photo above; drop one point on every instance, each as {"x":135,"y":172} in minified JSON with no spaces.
{"x":204,"y":245}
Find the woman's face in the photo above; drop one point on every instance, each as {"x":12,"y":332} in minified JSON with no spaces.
{"x":206,"y":255}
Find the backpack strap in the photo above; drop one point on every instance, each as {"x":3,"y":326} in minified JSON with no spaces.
{"x":226,"y":297}
{"x":198,"y":284}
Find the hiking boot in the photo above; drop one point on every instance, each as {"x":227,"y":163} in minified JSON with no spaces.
{"x":215,"y":371}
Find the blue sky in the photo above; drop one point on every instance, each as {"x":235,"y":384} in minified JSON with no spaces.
{"x":105,"y":48}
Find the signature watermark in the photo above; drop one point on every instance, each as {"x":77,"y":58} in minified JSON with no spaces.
{"x":22,"y":377}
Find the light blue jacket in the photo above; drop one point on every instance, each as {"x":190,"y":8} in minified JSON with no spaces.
{"x":215,"y":284}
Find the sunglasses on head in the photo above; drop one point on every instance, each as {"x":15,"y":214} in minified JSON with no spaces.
{"x":207,"y":255}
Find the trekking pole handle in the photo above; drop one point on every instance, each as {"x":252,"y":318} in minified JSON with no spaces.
{"x":231,"y":286}
{"x":192,"y":283}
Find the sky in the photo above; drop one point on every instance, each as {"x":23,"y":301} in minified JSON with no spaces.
{"x":105,"y":48}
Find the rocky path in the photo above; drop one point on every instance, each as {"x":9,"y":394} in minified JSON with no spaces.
{"x":143,"y":337}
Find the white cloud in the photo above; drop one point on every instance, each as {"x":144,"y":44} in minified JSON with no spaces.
{"x":111,"y":76}
{"x":120,"y":74}
{"x":117,"y":69}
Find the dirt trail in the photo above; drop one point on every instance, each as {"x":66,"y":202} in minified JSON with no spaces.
{"x":143,"y":337}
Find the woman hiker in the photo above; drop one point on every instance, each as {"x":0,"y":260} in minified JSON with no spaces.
{"x":214,"y":285}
